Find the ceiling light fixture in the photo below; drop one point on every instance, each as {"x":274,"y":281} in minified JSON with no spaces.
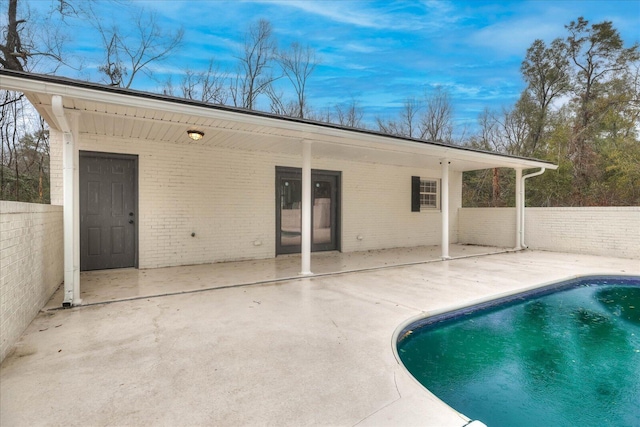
{"x":195,"y":134}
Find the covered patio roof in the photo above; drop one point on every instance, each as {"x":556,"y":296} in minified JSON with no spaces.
{"x":126,"y":113}
{"x":80,"y":109}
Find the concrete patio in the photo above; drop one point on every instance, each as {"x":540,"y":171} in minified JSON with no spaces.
{"x":117,"y":285}
{"x":279,"y":350}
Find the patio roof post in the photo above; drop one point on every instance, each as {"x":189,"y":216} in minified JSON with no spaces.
{"x":70,"y":200}
{"x":305,"y":249}
{"x":519,"y":208}
{"x":76,"y":208}
{"x":445,"y":208}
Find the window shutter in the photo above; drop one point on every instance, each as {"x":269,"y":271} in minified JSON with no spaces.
{"x":415,"y":194}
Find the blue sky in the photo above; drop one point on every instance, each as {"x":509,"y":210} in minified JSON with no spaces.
{"x":376,"y":52}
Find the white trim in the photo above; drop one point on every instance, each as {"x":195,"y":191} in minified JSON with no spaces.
{"x":519,"y":208}
{"x":71,"y":206}
{"x":305,"y":242}
{"x":307,"y":130}
{"x":438,"y":192}
{"x":445,"y":208}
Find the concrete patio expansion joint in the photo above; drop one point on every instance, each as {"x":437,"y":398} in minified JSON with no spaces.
{"x":395,"y":381}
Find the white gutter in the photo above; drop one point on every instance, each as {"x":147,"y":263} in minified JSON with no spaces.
{"x":524,"y":202}
{"x":71,"y":271}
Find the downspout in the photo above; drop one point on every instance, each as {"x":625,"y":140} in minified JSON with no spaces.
{"x":68,"y":168}
{"x":524,"y":203}
{"x":444,"y":208}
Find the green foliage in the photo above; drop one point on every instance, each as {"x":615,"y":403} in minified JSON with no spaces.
{"x":592,"y":136}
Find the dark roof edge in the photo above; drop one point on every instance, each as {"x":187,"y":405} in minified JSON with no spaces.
{"x":166,"y":98}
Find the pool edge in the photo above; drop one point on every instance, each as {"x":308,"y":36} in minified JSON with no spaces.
{"x":402,"y":330}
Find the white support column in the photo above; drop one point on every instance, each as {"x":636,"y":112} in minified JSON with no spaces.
{"x":305,"y":249}
{"x":71,"y":218}
{"x":444,"y":208}
{"x":67,"y":179}
{"x":519,"y":208}
{"x":76,"y":209}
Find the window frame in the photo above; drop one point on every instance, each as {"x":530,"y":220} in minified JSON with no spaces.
{"x":424,"y":207}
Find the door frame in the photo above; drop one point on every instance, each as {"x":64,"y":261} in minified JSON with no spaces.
{"x":105,"y":155}
{"x":296,"y":173}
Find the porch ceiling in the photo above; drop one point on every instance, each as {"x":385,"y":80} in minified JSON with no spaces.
{"x":128,"y":114}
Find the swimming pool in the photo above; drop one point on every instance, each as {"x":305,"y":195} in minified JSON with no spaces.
{"x":562,"y":355}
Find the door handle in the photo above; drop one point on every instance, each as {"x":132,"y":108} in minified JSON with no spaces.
{"x":130,"y":221}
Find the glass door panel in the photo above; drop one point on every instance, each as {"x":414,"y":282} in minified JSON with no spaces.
{"x":290,"y":211}
{"x":322,"y":192}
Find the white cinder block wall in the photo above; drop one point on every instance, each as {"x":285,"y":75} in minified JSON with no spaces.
{"x":606,"y":231}
{"x":227,"y":198}
{"x":31,"y":256}
{"x":487,"y":226}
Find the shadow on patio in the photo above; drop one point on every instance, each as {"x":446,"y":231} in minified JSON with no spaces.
{"x":124,"y":284}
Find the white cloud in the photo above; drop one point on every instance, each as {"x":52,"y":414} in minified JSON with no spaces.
{"x":515,"y":36}
{"x":359,"y":14}
{"x":359,"y":47}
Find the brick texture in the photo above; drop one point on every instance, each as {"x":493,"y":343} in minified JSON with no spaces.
{"x":607,"y":231}
{"x":227,"y":198}
{"x":31,"y":256}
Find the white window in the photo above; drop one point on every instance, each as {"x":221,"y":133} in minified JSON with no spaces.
{"x":429,"y":194}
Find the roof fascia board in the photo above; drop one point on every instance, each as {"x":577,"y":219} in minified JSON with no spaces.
{"x":307,"y":130}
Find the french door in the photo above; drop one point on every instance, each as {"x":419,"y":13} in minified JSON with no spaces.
{"x":325,"y":214}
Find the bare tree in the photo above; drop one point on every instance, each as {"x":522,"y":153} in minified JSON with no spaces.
{"x":24,"y":152}
{"x":297,"y":64}
{"x":14,"y":56}
{"x":207,"y":86}
{"x":254,"y":74}
{"x":406,"y":124}
{"x":323,"y":115}
{"x":127,"y":54}
{"x":390,"y":127}
{"x":349,"y":114}
{"x":279,"y":105}
{"x":28,"y":38}
{"x":436,"y":122}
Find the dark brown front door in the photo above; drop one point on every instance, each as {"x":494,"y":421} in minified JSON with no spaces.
{"x":325,"y":217}
{"x":108,"y":211}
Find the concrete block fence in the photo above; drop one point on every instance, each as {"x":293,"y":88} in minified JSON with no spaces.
{"x":31,"y":265}
{"x":604,"y":231}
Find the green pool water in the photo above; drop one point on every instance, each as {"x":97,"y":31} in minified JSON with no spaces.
{"x":566,"y":358}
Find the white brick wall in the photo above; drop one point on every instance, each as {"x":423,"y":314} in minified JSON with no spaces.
{"x":55,"y":167}
{"x":376,"y":204}
{"x":609,"y":231}
{"x":227,"y":197}
{"x":487,"y":226}
{"x":31,"y":256}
